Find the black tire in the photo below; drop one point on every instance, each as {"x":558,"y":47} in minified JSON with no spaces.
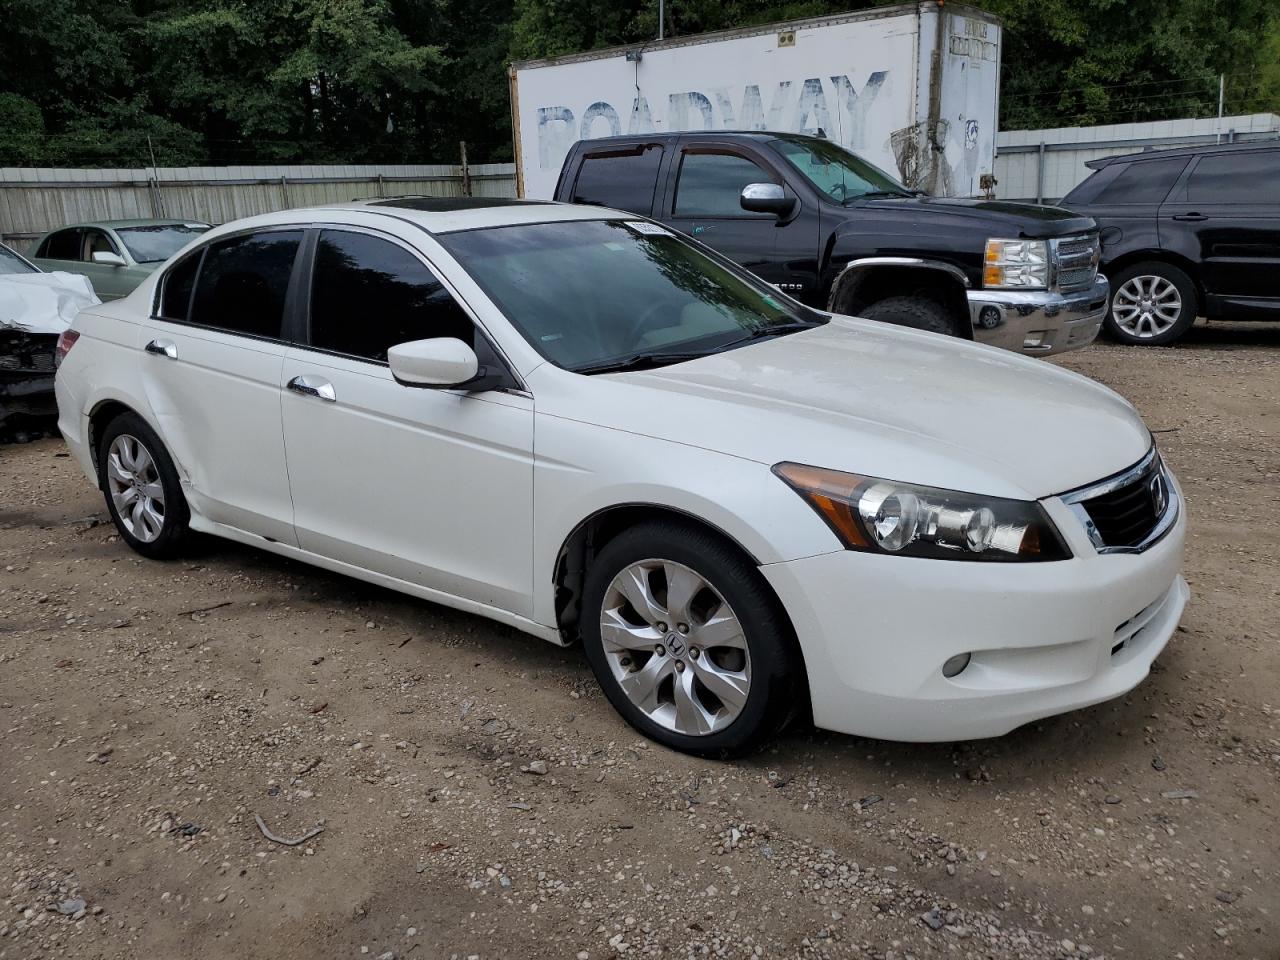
{"x":1186,"y":288}
{"x":175,"y":529}
{"x":917,"y":312}
{"x":776,"y":691}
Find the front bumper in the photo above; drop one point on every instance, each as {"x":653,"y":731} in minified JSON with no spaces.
{"x":1038,"y":322}
{"x":1045,"y":638}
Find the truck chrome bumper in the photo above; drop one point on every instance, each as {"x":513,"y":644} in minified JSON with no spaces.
{"x":1038,"y":322}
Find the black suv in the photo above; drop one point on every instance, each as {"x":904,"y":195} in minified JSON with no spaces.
{"x":1189,"y":232}
{"x":837,"y":233}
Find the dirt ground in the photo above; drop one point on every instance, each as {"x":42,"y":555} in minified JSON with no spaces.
{"x":151,"y":711}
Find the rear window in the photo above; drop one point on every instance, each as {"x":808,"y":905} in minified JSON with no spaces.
{"x":623,"y":179}
{"x":63,"y":245}
{"x":243,"y":283}
{"x":1143,"y":181}
{"x":1236,"y":178}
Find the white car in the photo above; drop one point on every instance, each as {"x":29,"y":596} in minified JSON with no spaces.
{"x":578,"y":423}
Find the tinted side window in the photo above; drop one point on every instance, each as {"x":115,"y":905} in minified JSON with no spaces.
{"x":1236,"y":178}
{"x":1143,"y":181}
{"x":63,"y":245}
{"x":370,"y":294}
{"x":625,"y":180}
{"x":243,"y":283}
{"x":711,"y":184}
{"x":175,"y":301}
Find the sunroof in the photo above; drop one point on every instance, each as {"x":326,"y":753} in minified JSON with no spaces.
{"x":449,"y":204}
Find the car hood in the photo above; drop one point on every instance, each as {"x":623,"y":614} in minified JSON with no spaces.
{"x":867,"y":398}
{"x":43,"y":302}
{"x":1017,"y":220}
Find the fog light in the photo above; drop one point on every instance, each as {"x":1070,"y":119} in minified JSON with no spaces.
{"x":1034,"y":340}
{"x":955,"y":665}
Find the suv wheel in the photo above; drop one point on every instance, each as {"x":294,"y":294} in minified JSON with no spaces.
{"x":688,"y":641}
{"x":1151,"y":303}
{"x":144,"y":495}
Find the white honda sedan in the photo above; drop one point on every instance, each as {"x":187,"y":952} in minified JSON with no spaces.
{"x":586,"y":426}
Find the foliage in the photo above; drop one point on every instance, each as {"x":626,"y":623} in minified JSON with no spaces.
{"x":107,"y":82}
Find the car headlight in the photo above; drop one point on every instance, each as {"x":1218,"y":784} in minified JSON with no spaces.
{"x":1018,"y":264}
{"x":885,"y":516}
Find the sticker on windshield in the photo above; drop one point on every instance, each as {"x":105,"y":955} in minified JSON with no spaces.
{"x":647,"y":229}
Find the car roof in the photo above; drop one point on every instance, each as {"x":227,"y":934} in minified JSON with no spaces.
{"x":137,"y":222}
{"x":696,"y":136}
{"x":452,"y":214}
{"x":1192,"y":151}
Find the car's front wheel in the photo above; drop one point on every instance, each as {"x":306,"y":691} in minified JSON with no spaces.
{"x":143,"y":493}
{"x":1152,"y":304}
{"x":687,"y":640}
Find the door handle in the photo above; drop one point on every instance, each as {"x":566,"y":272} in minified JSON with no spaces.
{"x":1191,"y":217}
{"x":314,"y":387}
{"x":164,"y":348}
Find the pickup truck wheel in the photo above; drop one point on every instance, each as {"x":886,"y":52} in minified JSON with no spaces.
{"x":1152,"y":304}
{"x":917,"y":312}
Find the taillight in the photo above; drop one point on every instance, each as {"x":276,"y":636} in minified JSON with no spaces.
{"x":66,"y":340}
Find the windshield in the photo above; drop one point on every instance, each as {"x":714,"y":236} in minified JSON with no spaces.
{"x":836,"y":172}
{"x":155,"y":243}
{"x":10,"y":262}
{"x":587,"y":293}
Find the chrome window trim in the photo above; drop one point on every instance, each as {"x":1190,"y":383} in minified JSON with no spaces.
{"x":1074,"y":501}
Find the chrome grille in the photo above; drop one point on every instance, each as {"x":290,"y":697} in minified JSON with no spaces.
{"x":1129,"y":512}
{"x":1075,"y":261}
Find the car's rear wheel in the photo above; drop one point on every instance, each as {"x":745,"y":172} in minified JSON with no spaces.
{"x":1151,"y":304}
{"x":917,"y":312}
{"x":143,"y":493}
{"x":687,"y":640}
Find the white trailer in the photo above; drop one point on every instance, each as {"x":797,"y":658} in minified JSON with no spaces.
{"x":914,"y":88}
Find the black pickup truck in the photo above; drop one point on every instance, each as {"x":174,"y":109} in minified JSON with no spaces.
{"x":840,"y":234}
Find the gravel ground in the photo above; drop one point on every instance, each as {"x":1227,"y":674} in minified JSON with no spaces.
{"x":479,"y":797}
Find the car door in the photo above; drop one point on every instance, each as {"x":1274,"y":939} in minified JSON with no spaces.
{"x":1127,"y":205}
{"x":622,"y":176}
{"x":62,"y":250}
{"x":429,"y":486}
{"x":110,"y":281}
{"x":1226,"y":216}
{"x":704,"y":201}
{"x":212,"y":359}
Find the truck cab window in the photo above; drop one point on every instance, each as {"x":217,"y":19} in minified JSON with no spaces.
{"x":624,"y":180}
{"x":711,"y":184}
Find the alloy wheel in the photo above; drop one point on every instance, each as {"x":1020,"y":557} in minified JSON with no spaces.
{"x":133,"y":480}
{"x":675,"y":647}
{"x":1146,"y":306}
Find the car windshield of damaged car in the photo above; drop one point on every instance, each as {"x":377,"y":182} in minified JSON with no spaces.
{"x":10,"y":262}
{"x":152,"y":244}
{"x":597,"y":296}
{"x":835,"y":171}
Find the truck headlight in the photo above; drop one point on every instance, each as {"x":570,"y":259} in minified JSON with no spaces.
{"x":1016,"y":264}
{"x":885,"y":516}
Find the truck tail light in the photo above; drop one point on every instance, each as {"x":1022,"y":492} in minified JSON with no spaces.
{"x":66,"y":340}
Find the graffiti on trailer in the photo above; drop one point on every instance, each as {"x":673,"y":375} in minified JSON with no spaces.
{"x":797,"y":108}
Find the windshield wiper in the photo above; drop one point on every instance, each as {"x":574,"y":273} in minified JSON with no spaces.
{"x":768,"y":333}
{"x":877,"y":193}
{"x":640,"y":361}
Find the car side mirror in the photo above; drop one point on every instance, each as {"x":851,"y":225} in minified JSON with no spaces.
{"x":108,"y":259}
{"x":766,"y":198}
{"x":441,"y":363}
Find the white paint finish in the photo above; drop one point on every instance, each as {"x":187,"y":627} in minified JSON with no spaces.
{"x":467,"y":499}
{"x":433,"y":487}
{"x":859,"y":77}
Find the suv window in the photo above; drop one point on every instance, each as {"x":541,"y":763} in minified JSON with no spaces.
{"x":711,"y":184}
{"x":370,"y":294}
{"x":624,"y":179}
{"x":63,"y":245}
{"x":178,"y":283}
{"x":1143,"y":181}
{"x":1235,"y":178}
{"x":243,"y":283}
